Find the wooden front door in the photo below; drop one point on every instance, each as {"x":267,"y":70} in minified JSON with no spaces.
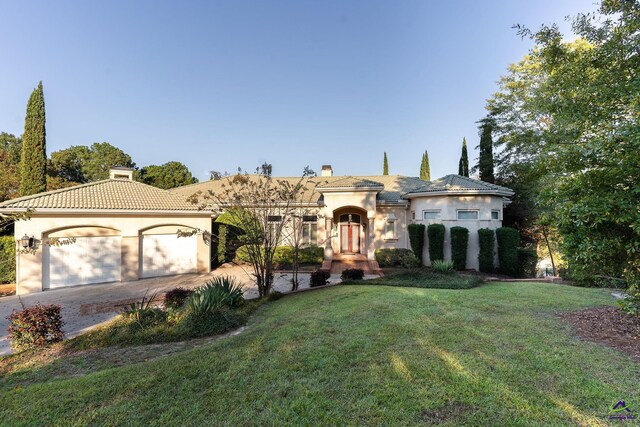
{"x":350,"y":238}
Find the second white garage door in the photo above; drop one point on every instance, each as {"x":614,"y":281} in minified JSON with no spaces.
{"x":168,"y":254}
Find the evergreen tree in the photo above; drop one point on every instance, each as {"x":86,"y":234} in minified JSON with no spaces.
{"x":385,"y":166}
{"x":425,"y":168}
{"x":485,"y":162}
{"x":463,"y":164}
{"x":33,"y":162}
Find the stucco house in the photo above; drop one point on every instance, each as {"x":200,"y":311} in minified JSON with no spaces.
{"x":125,"y":230}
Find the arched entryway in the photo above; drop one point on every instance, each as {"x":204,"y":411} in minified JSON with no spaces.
{"x":351,"y":225}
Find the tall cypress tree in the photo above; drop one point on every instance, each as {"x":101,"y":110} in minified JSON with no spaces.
{"x":463,"y":164}
{"x":425,"y":169}
{"x":33,"y":163}
{"x":385,"y":166}
{"x":485,"y":162}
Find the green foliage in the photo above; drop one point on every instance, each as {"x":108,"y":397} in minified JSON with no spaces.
{"x":175,"y":298}
{"x":630,"y":305}
{"x":396,"y":257}
{"x":416,"y":239}
{"x":274,"y":296}
{"x":82,"y":164}
{"x":508,"y":242}
{"x":33,"y":163}
{"x":319,"y":278}
{"x":222,"y":243}
{"x":7,"y":259}
{"x":352,"y":274}
{"x":35,"y":327}
{"x":219,"y":292}
{"x":569,"y":113}
{"x":463,"y":164}
{"x":435,"y":234}
{"x":425,"y":168}
{"x":486,"y":238}
{"x":385,"y":165}
{"x":527,"y":262}
{"x":443,"y":267}
{"x":169,"y":175}
{"x":459,"y":243}
{"x":283,"y":255}
{"x":144,"y":312}
{"x":10,"y":152}
{"x":485,"y":161}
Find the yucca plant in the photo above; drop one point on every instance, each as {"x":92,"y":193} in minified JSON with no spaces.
{"x":443,"y":267}
{"x":219,"y":292}
{"x":144,"y":312}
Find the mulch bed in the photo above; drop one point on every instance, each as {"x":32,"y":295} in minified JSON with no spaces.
{"x":607,"y":326}
{"x":7,"y":289}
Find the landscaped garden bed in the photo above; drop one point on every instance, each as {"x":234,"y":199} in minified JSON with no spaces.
{"x":422,"y":278}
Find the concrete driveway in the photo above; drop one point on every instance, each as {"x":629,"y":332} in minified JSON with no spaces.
{"x":84,"y":307}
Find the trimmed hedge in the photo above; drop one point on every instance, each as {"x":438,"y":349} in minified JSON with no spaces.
{"x":508,"y":242}
{"x":435,"y":233}
{"x":319,"y":278}
{"x":527,"y":262}
{"x":7,"y":259}
{"x":352,"y":274}
{"x":223,"y":231}
{"x":416,"y":238}
{"x":486,"y":237}
{"x":283,"y":255}
{"x":459,"y":243}
{"x":396,"y":258}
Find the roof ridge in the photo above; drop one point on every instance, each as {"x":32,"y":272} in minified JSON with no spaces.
{"x":50,"y":192}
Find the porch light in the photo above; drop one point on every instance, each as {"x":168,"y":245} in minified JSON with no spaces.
{"x":26,"y":242}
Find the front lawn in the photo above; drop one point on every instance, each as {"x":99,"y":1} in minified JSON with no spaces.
{"x":424,"y":278}
{"x":497,"y":354}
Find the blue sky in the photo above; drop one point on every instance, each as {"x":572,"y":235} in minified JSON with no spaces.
{"x":222,"y":84}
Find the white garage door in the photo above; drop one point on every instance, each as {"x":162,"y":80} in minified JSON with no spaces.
{"x":88,"y":260}
{"x":167,"y":254}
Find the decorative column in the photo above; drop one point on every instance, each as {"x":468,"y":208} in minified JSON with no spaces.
{"x":328,"y":248}
{"x":370,"y":238}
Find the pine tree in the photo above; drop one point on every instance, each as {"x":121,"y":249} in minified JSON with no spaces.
{"x":33,"y":163}
{"x":385,"y":166}
{"x":425,"y":169}
{"x":463,"y":164}
{"x":485,"y":162}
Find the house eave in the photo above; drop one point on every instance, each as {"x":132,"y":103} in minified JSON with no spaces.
{"x":498,"y":193}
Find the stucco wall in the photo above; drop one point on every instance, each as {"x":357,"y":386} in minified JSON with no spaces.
{"x":30,"y":266}
{"x":448,"y":207}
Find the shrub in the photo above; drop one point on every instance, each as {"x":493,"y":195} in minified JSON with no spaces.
{"x":319,"y":278}
{"x":442,"y":267}
{"x":352,"y":274}
{"x":144,"y":313}
{"x":222,"y":243}
{"x":283,"y":255}
{"x":393,"y":257}
{"x":508,"y":241}
{"x":274,"y":296}
{"x":416,"y":238}
{"x":486,"y":238}
{"x":459,"y":243}
{"x":176,"y":297}
{"x":527,"y":262}
{"x":7,"y":259}
{"x":630,"y":305}
{"x":435,"y":233}
{"x":35,"y":327}
{"x":219,"y":292}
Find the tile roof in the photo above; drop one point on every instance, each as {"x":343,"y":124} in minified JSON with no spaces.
{"x":351,"y":182}
{"x":110,"y":194}
{"x":458,"y":183}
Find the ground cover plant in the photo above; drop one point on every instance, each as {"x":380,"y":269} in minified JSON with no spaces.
{"x":498,"y":354}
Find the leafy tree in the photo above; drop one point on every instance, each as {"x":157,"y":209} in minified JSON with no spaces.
{"x":103,"y":156}
{"x":33,"y":163}
{"x":463,"y":164}
{"x":385,"y":165}
{"x":425,"y":168}
{"x":82,"y":164}
{"x":265,"y":169}
{"x":169,"y":175}
{"x":570,"y":112}
{"x":12,"y":145}
{"x":308,"y":171}
{"x":485,"y":161}
{"x":10,"y":152}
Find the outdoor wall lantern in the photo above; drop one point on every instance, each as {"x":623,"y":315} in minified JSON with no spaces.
{"x":27,"y":242}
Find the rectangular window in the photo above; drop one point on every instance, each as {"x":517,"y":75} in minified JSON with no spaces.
{"x":430,"y":214}
{"x":390,"y":230}
{"x":413,"y":214}
{"x":495,"y":214}
{"x":309,"y":234}
{"x":467,"y":214}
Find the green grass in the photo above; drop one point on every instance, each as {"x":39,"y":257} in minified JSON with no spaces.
{"x":367,"y":355}
{"x":423,"y":278}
